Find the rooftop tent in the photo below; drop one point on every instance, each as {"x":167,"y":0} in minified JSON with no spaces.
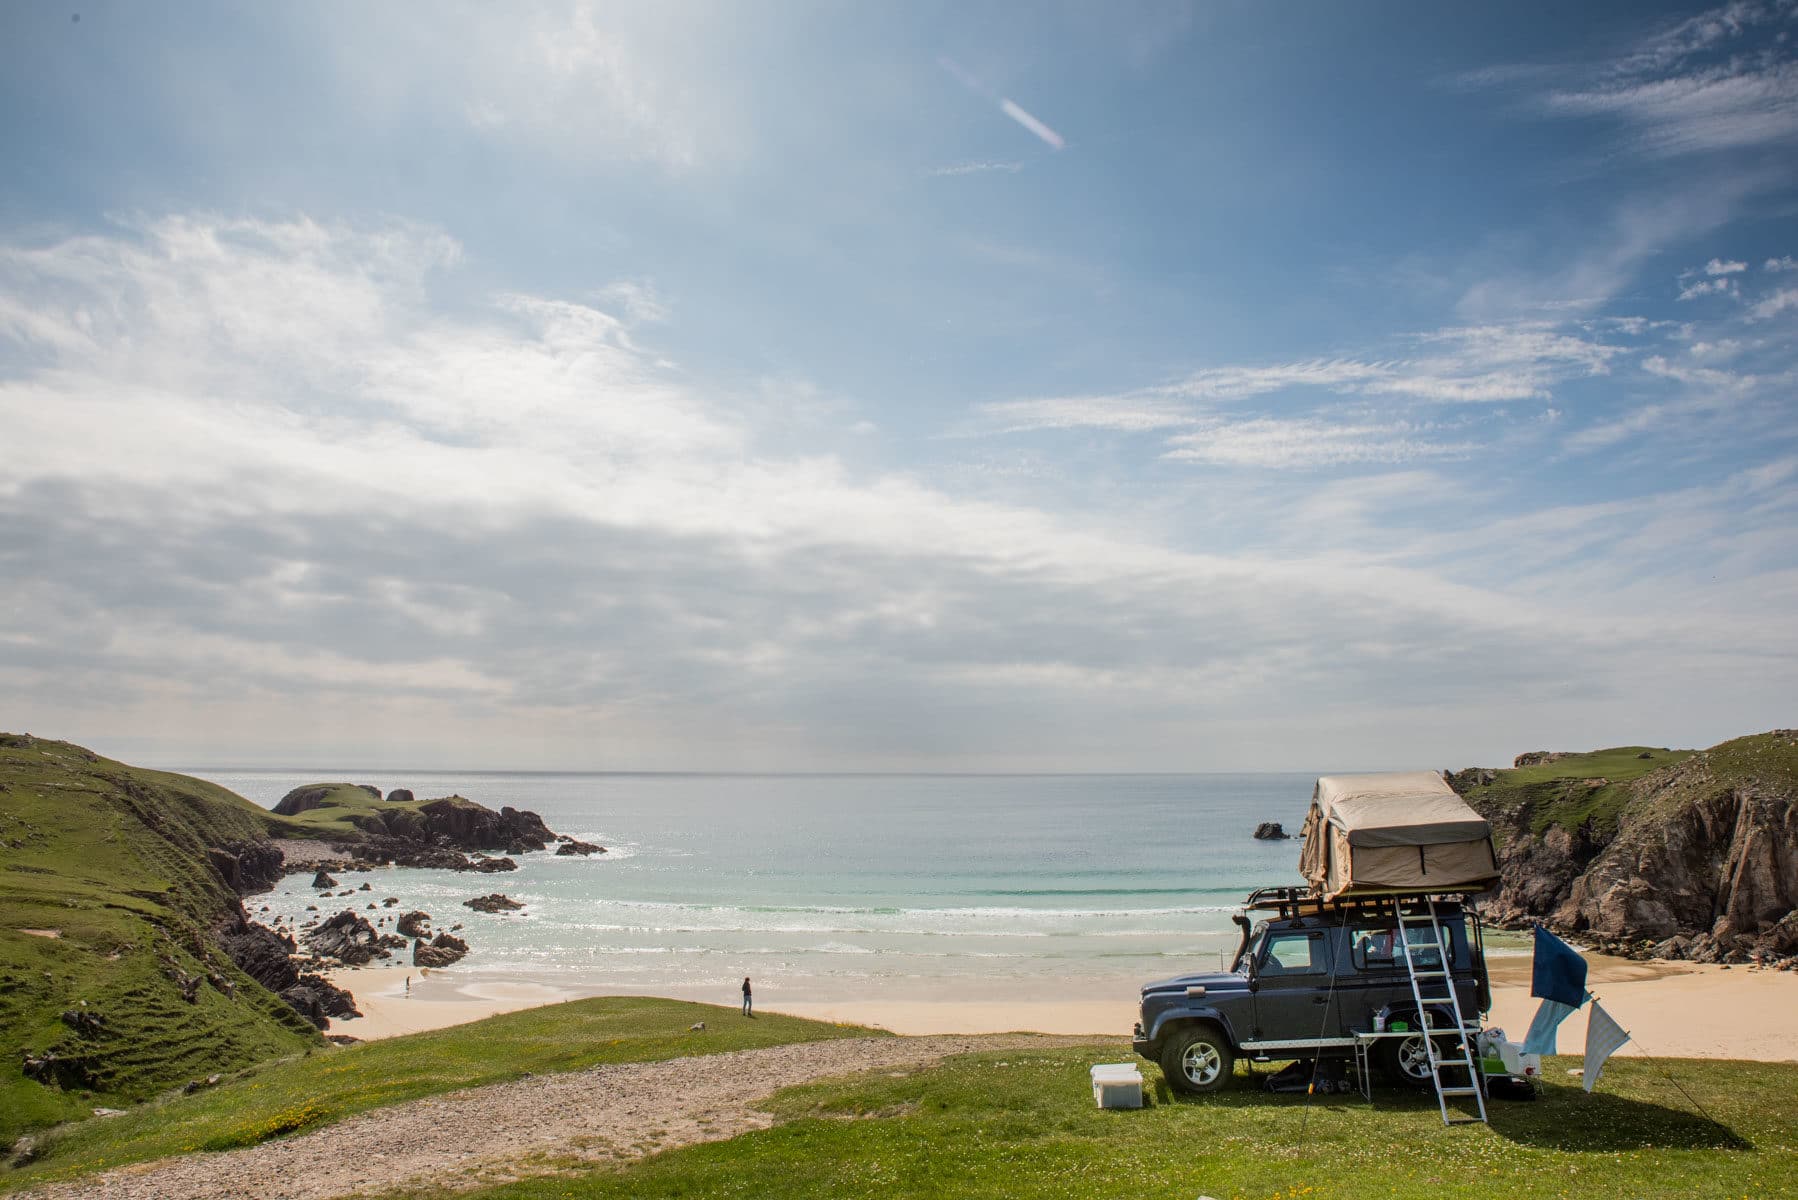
{"x":1402,"y":832}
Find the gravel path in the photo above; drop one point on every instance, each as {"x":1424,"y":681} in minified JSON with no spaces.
{"x":506,"y":1130}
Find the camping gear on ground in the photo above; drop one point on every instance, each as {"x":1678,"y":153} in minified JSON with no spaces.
{"x":1117,"y":1085}
{"x":1501,"y":1056}
{"x":1406,"y":831}
{"x":1510,"y":1087}
{"x":1307,"y":1075}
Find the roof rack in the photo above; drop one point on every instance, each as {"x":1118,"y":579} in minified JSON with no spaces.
{"x":1293,"y":902}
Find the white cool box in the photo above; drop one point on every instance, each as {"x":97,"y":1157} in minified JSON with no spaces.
{"x":1495,"y":1046}
{"x":1117,"y":1085}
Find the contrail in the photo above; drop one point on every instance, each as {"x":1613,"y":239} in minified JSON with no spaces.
{"x":1007,"y":105}
{"x":1016,"y":112}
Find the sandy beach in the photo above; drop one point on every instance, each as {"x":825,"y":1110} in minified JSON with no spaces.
{"x":1672,"y":1009}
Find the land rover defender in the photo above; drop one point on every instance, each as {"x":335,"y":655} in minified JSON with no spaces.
{"x":1305,"y":980}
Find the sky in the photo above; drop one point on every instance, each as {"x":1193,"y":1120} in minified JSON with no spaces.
{"x":1138,"y":386}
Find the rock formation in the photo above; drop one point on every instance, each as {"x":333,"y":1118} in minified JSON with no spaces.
{"x":440,"y":951}
{"x":490,"y":865}
{"x":1701,"y":862}
{"x":414,"y":924}
{"x":400,"y":796}
{"x":1270,"y":831}
{"x":346,"y":937}
{"x":493,"y":902}
{"x":323,"y":880}
{"x":571,"y":846}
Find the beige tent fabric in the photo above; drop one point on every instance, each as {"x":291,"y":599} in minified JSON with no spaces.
{"x":1406,"y":831}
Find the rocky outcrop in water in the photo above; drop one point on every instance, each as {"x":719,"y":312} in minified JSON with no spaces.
{"x":414,"y":925}
{"x":1701,"y":862}
{"x":1270,"y":831}
{"x":574,"y":846}
{"x":494,"y":902}
{"x":440,"y":951}
{"x":488,"y":866}
{"x":346,"y":937}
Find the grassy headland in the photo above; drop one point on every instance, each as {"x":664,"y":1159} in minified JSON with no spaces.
{"x":112,"y":884}
{"x":331,"y":1083}
{"x":347,"y":810}
{"x":1575,"y":789}
{"x":1022,"y":1124}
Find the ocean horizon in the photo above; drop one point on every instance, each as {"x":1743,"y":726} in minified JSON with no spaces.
{"x":833,"y":886}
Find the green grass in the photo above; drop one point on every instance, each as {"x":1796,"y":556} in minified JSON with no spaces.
{"x":331,"y":1083}
{"x":1558,"y":793}
{"x":1022,"y":1125}
{"x":115,"y":859}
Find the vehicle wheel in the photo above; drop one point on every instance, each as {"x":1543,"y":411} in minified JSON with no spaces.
{"x":1198,"y":1060}
{"x":1406,"y":1063}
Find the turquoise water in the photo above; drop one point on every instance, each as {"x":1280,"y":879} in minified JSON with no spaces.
{"x":835,"y":886}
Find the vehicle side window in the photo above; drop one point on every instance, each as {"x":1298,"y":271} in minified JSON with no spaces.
{"x":1376,"y":947}
{"x":1293,"y":954}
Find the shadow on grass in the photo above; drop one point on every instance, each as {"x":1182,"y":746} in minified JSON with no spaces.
{"x":1561,"y":1119}
{"x":1569,"y":1119}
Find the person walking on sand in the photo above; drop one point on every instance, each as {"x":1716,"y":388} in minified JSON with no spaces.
{"x":748,"y":998}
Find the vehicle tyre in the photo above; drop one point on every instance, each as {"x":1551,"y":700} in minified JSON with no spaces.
{"x":1197,"y":1060}
{"x":1406,"y":1063}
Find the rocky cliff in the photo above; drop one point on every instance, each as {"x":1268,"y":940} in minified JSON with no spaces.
{"x":1647,"y":851}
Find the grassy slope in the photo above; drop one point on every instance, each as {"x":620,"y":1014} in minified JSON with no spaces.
{"x":347,"y":811}
{"x":1556,"y":793}
{"x":1023,"y":1125}
{"x":115,"y":858}
{"x":335,"y":1082}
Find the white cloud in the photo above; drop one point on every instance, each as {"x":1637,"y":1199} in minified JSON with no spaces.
{"x":1462,"y":365}
{"x":257,"y":471}
{"x":1125,"y":414}
{"x":1309,"y":442}
{"x":1707,"y":287}
{"x":1783,"y":263}
{"x":1690,"y":88}
{"x":1009,"y":167}
{"x":1772,"y":306}
{"x":1718,"y":266}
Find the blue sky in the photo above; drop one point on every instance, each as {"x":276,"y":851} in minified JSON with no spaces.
{"x":1143,"y":386}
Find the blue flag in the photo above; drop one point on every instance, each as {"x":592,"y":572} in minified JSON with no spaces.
{"x":1560,"y":973}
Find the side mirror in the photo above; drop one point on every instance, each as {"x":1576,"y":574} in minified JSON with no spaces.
{"x":1254,"y":974}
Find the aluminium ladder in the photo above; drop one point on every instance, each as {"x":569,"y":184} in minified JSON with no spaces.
{"x":1442,"y":975}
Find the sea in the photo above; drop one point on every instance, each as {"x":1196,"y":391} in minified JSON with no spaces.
{"x":840,"y":887}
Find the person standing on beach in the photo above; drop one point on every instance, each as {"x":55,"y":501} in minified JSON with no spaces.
{"x":748,"y":998}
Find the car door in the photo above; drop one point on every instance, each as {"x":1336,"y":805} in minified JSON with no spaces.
{"x":1294,"y":999}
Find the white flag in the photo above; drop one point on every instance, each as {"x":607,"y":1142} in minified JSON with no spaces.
{"x":1603,"y":1036}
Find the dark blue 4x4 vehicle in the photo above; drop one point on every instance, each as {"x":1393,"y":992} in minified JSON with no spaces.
{"x":1310,"y":978}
